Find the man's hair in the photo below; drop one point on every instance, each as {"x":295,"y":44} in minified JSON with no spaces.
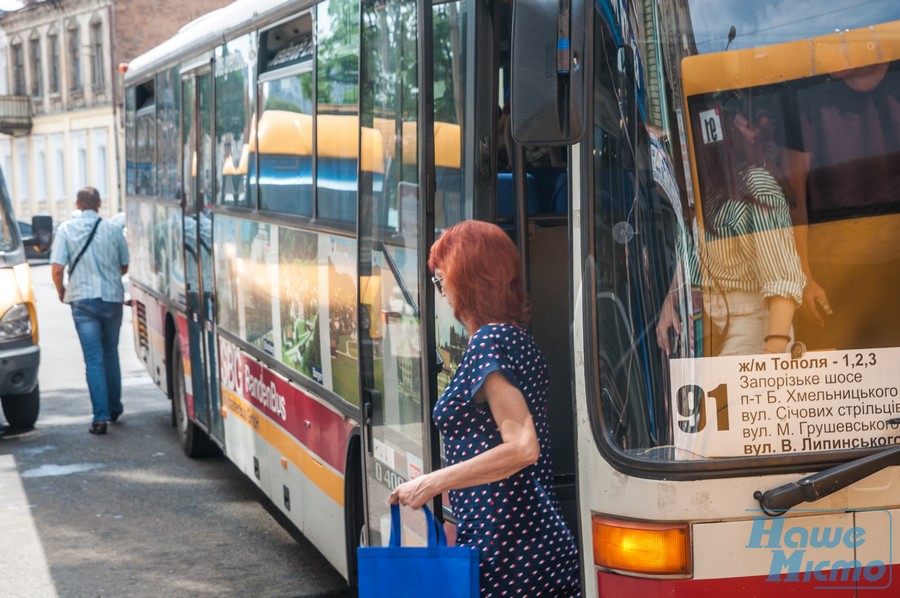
{"x":88,"y":198}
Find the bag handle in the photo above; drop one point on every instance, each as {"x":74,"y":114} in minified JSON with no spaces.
{"x":436,"y":536}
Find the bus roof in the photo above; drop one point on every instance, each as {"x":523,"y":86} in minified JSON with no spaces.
{"x":209,"y":31}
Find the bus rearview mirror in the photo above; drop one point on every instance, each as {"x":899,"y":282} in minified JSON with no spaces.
{"x":547,"y":99}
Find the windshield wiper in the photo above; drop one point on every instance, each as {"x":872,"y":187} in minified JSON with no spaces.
{"x":778,"y":501}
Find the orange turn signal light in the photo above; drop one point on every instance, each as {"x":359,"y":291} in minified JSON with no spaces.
{"x":643,"y":548}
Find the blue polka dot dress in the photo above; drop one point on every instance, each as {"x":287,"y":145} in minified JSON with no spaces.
{"x":525,"y":547}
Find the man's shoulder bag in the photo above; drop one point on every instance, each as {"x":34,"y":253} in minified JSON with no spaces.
{"x":84,"y":248}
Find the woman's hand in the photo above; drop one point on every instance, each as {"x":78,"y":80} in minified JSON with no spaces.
{"x":668,"y":320}
{"x":414,"y":493}
{"x":814,"y":299}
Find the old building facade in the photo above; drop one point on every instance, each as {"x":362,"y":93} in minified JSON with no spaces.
{"x":60,"y":94}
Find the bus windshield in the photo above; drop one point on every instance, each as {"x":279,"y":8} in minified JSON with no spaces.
{"x":720,"y":25}
{"x":745,"y":231}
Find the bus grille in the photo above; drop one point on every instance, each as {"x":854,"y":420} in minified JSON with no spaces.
{"x":143,"y":337}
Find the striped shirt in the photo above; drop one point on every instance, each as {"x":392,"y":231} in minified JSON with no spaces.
{"x":752,"y":249}
{"x":99,"y":272}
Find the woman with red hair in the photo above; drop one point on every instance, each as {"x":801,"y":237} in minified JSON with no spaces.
{"x":493,"y":420}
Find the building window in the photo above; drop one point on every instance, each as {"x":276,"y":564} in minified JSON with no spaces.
{"x":59,"y":167}
{"x":18,"y":70}
{"x":101,"y":172}
{"x":78,"y":156}
{"x":36,"y":67}
{"x":23,"y":184}
{"x":97,"y":55}
{"x":74,"y":58}
{"x":53,"y":42}
{"x":40,"y":173}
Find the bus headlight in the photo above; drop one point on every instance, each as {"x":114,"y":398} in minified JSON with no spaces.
{"x":15,"y":323}
{"x":643,"y":548}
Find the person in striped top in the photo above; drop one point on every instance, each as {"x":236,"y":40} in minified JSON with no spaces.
{"x":96,"y":255}
{"x":746,"y":263}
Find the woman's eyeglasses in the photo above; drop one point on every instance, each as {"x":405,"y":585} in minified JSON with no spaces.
{"x":438,"y":282}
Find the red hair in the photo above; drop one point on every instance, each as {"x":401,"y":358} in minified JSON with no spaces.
{"x":481,"y":265}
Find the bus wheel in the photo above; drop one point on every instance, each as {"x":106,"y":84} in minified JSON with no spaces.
{"x":353,"y":512}
{"x":21,"y":410}
{"x":193,"y":441}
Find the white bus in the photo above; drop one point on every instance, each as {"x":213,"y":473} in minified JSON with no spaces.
{"x":288,"y":165}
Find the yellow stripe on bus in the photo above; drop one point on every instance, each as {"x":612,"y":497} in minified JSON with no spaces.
{"x":319,"y":474}
{"x":739,"y":69}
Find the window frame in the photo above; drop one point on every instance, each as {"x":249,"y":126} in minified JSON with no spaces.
{"x":73,"y":51}
{"x":98,"y":80}
{"x":18,"y":66}
{"x":37,"y":75}
{"x":54,"y":70}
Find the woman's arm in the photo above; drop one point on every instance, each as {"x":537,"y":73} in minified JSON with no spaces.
{"x":520,"y":448}
{"x":797,"y":165}
{"x":778,"y":265}
{"x":781,"y":314}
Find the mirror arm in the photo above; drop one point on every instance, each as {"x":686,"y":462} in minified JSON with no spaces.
{"x":563,"y":64}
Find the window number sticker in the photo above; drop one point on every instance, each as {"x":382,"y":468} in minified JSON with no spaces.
{"x":712,"y":126}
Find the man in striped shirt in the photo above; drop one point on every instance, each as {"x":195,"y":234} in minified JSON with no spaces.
{"x":97,"y":257}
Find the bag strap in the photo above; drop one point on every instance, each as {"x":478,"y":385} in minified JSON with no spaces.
{"x":84,"y":248}
{"x":436,"y":536}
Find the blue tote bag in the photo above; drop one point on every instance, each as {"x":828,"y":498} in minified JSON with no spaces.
{"x":436,"y":570}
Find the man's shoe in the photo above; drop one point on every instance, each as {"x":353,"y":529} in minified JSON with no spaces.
{"x":114,"y":417}
{"x":98,"y":428}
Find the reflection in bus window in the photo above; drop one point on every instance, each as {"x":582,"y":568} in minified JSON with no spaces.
{"x":634,"y":252}
{"x":337,"y":98}
{"x":844,"y":151}
{"x":130,"y":134}
{"x":235,"y":103}
{"x":167,"y":107}
{"x":145,"y":143}
{"x":284,"y":139}
{"x":746,"y":264}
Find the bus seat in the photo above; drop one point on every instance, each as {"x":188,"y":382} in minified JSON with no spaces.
{"x":545,"y":178}
{"x":559,"y":196}
{"x":505,"y":195}
{"x":449,"y":184}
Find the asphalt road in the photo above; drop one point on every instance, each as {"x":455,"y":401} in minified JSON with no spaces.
{"x":127,"y":514}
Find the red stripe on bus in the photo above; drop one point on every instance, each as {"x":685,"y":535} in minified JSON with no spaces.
{"x":322,"y":431}
{"x":613,"y":586}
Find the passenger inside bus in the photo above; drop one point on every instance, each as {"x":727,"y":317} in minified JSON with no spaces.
{"x":843,"y":151}
{"x":748,"y":267}
{"x":545,"y":179}
{"x":747,"y":262}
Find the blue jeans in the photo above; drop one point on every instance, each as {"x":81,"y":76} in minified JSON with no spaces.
{"x":97,"y":323}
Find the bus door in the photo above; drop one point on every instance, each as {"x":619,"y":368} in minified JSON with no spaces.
{"x":437,"y":155}
{"x":197,"y":186}
{"x":395,"y":299}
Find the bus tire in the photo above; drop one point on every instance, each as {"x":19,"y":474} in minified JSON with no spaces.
{"x":194,"y":442}
{"x":353,"y":511}
{"x":22,"y":410}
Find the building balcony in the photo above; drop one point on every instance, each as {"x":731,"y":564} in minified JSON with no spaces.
{"x":15,"y":115}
